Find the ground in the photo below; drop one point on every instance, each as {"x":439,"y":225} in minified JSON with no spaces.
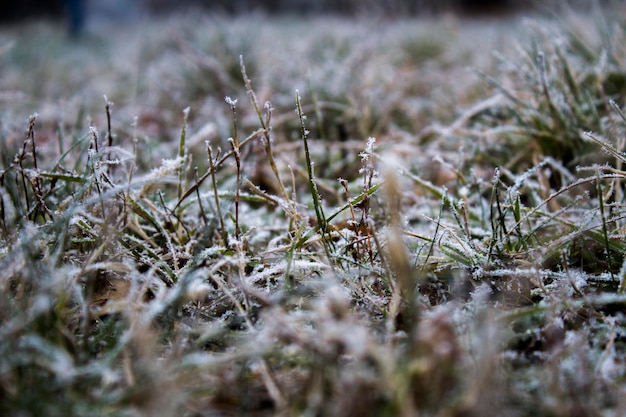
{"x":203,"y":216}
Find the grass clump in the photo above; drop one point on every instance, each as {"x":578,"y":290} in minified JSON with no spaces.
{"x":319,"y":255}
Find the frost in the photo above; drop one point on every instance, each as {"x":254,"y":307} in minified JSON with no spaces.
{"x":168,"y":167}
{"x":622,"y":274}
{"x":197,"y":290}
{"x":121,"y":155}
{"x":232,"y":103}
{"x":369,"y":150}
{"x":579,"y":279}
{"x":209,"y":252}
{"x":31,"y":172}
{"x":482,"y":293}
{"x":279,"y":268}
{"x":478,"y":273}
{"x":41,"y":303}
{"x":109,"y":377}
{"x":609,"y":368}
{"x":57,"y":360}
{"x":479,"y":232}
{"x":315,"y":301}
{"x":522,"y":179}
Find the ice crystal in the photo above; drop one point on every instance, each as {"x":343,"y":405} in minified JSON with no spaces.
{"x":231,"y":102}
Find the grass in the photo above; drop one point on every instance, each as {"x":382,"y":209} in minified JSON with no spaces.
{"x":379,"y":218}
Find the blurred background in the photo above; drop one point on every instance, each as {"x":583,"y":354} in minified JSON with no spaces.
{"x":78,"y":11}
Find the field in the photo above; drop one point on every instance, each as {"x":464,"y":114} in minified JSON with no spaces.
{"x":279,"y":216}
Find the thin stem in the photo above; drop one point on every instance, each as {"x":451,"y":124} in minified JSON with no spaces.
{"x":182,"y":152}
{"x":265,"y":124}
{"x":202,"y":212}
{"x":237,"y":154}
{"x":220,"y":218}
{"x":317,"y":199}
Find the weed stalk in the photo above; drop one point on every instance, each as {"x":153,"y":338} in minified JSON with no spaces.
{"x":317,"y":199}
{"x":265,"y":125}
{"x":235,"y":147}
{"x":182,"y":153}
{"x":218,"y":209}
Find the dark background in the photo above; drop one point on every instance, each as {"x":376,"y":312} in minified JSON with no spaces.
{"x":77,"y":12}
{"x":340,"y":6}
{"x":13,"y":11}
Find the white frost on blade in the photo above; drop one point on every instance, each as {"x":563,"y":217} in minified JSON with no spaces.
{"x":31,"y":172}
{"x":117,"y":155}
{"x":579,"y":278}
{"x":461,"y":246}
{"x":622,"y":274}
{"x":301,"y":264}
{"x":520,"y":180}
{"x":198,"y":289}
{"x":168,"y":167}
{"x":280,"y":268}
{"x":267,"y":273}
{"x":338,"y":329}
{"x":344,"y":335}
{"x":77,"y":220}
{"x":478,"y":272}
{"x":609,"y":368}
{"x":481,"y":294}
{"x":208,"y":252}
{"x":513,"y":272}
{"x":369,"y":149}
{"x":480,"y":232}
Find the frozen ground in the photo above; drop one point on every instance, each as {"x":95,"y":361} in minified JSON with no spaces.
{"x":379,"y":217}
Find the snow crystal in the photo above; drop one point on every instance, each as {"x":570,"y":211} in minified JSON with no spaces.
{"x":31,"y":172}
{"x":230,"y":101}
{"x":369,"y":149}
{"x":477,"y":272}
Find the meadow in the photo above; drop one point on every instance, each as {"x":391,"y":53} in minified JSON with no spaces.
{"x":287,"y":216}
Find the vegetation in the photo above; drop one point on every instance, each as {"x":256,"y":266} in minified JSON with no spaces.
{"x":314,"y":217}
